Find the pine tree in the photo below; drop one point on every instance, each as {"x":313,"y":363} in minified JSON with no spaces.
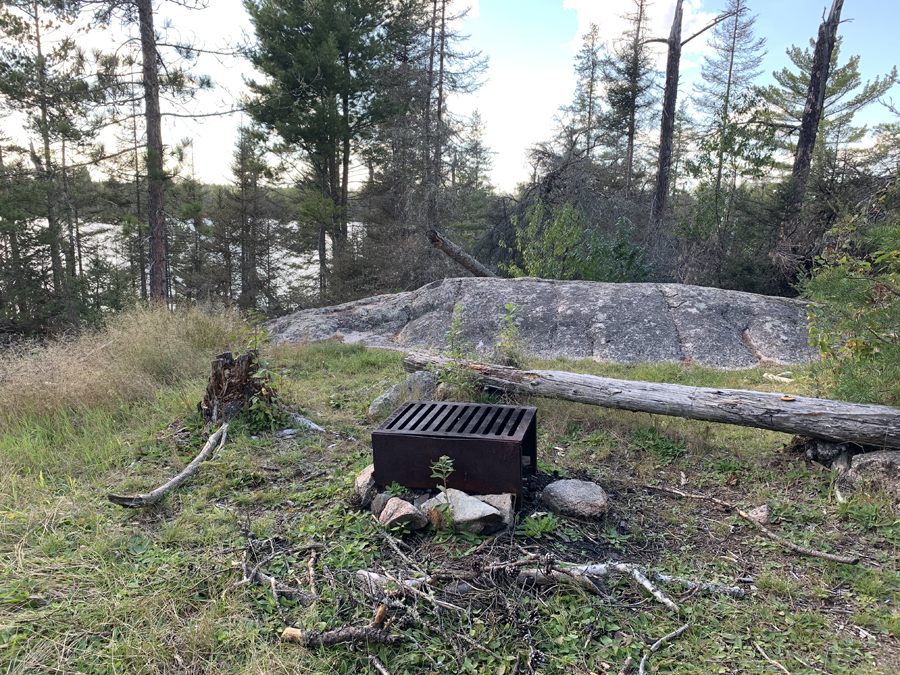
{"x":845,"y":94}
{"x":629,"y":79}
{"x":728,"y":73}
{"x":43,"y":75}
{"x":584,"y":112}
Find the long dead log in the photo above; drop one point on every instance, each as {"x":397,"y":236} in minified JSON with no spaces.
{"x":150,"y":498}
{"x":455,"y":253}
{"x":834,"y":421}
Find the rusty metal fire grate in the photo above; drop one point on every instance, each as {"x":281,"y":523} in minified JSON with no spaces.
{"x":492,"y":446}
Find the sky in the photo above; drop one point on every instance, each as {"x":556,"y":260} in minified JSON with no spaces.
{"x":532,"y":45}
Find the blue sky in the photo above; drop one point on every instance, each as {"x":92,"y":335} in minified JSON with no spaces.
{"x":531,"y":45}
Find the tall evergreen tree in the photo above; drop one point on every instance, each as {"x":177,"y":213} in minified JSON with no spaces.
{"x":629,"y":79}
{"x":584,"y":112}
{"x":728,"y":73}
{"x":320,"y":58}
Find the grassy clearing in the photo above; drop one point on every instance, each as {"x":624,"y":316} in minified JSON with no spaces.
{"x":91,"y":588}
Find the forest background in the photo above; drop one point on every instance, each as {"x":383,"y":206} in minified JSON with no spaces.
{"x":354,"y":137}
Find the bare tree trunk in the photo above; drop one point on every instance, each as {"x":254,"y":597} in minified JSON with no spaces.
{"x":667,"y":127}
{"x":455,"y":253}
{"x":44,"y":166}
{"x":815,"y":101}
{"x":833,"y":421}
{"x":156,"y":196}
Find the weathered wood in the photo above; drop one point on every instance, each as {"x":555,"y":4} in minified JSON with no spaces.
{"x":150,"y":498}
{"x":455,"y":253}
{"x":232,"y":383}
{"x":834,"y":421}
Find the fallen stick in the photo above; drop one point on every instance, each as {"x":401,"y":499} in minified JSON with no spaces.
{"x":150,"y":498}
{"x":582,"y":574}
{"x":771,"y":660}
{"x":310,"y":426}
{"x":354,"y":634}
{"x":255,"y":575}
{"x":802,"y":550}
{"x":658,"y":645}
{"x":834,"y":421}
{"x":379,"y":666}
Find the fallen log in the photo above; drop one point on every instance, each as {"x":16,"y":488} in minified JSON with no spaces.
{"x":834,"y":421}
{"x":456,"y":254}
{"x":150,"y":498}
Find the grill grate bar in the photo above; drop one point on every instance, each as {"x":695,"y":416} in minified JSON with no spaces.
{"x":399,"y":421}
{"x":451,"y":411}
{"x":431,"y":419}
{"x":421,"y":413}
{"x":500,"y":424}
{"x":514,"y":422}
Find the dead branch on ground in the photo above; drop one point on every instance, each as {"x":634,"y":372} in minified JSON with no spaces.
{"x":658,"y":645}
{"x":352,"y":634}
{"x":150,"y":498}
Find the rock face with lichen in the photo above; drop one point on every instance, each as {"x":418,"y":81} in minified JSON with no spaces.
{"x":622,"y":323}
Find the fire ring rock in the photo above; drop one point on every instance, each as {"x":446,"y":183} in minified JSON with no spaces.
{"x":400,"y":512}
{"x":576,"y":498}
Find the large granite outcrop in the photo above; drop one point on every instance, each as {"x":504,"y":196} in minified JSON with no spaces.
{"x":624,"y":323}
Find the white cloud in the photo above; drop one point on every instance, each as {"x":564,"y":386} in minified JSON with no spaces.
{"x":660,"y":15}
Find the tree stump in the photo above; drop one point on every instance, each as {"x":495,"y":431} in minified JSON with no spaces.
{"x":232,"y":383}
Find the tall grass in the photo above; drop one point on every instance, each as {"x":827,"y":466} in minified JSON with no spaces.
{"x":136,"y":355}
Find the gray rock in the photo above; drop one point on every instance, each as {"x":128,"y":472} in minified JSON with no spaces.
{"x":378,"y":503}
{"x":825,"y":452}
{"x":400,"y":512}
{"x":418,"y":386}
{"x":760,"y":514}
{"x":385,"y":403}
{"x":874,"y":471}
{"x":625,"y":323}
{"x":576,"y":498}
{"x":504,"y":503}
{"x":467,"y":513}
{"x":365,"y":485}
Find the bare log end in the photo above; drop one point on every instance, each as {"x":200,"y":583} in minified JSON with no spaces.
{"x":129,"y":502}
{"x":434,"y":237}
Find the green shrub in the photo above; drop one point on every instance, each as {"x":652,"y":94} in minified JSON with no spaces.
{"x":556,"y":243}
{"x":855,"y":323}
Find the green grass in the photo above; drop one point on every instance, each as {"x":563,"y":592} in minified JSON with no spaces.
{"x":88,"y":587}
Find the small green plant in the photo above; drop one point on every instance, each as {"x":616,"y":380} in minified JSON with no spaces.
{"x":456,"y":349}
{"x":396,"y":490}
{"x":510,"y":348}
{"x":662,"y":448}
{"x":615,"y":538}
{"x":538,"y":524}
{"x":456,"y":373}
{"x":441,"y":469}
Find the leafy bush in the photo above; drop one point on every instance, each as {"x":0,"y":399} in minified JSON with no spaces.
{"x":556,"y":243}
{"x":855,"y":323}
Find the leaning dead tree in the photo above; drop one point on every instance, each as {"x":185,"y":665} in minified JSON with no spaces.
{"x":455,"y":253}
{"x":790,"y":251}
{"x":833,"y":421}
{"x":667,"y":123}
